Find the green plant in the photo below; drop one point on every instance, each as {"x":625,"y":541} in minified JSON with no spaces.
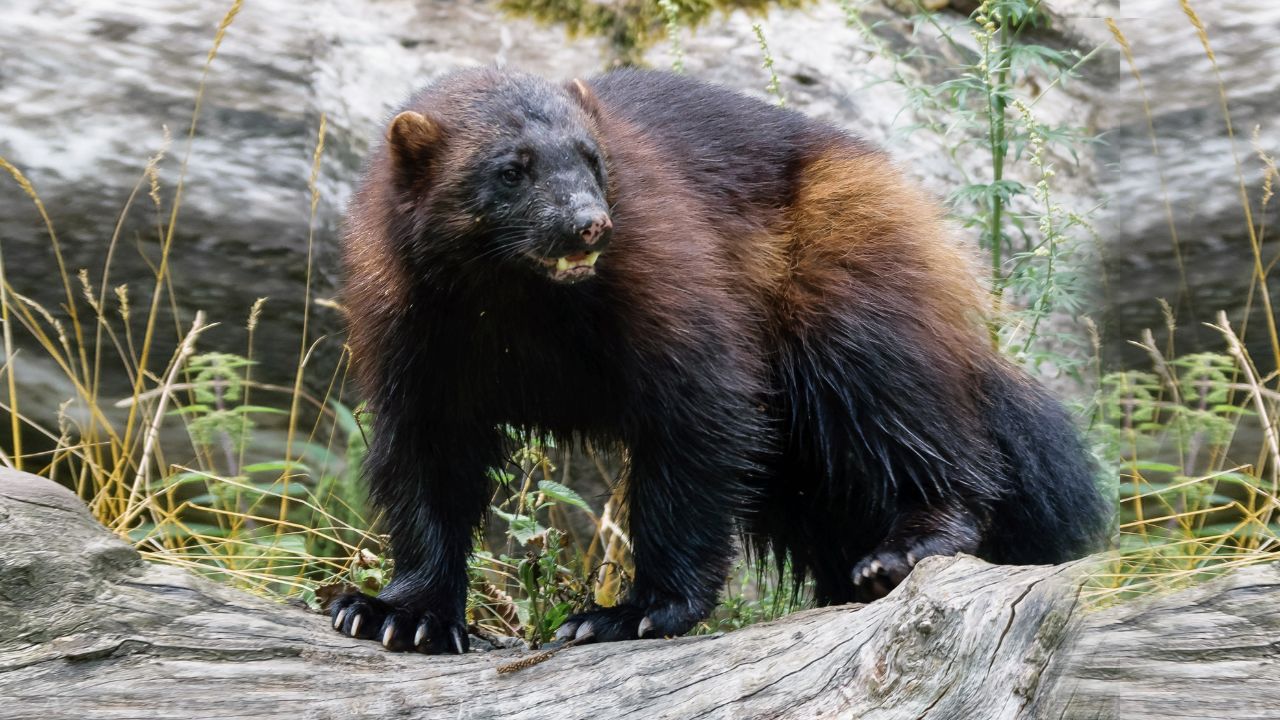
{"x":671,"y":12}
{"x":633,"y":26}
{"x":543,"y":579}
{"x":996,"y":72}
{"x":752,"y":595}
{"x":774,"y":87}
{"x":217,"y":418}
{"x":1188,"y":511}
{"x":1193,"y":504}
{"x":231,"y":502}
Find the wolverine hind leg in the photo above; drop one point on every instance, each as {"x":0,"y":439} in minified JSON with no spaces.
{"x":902,"y":469}
{"x":916,"y":534}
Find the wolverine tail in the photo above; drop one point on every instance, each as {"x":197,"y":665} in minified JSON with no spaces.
{"x":1052,"y":509}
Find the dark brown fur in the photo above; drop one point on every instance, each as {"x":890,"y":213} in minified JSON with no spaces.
{"x":778,"y":330}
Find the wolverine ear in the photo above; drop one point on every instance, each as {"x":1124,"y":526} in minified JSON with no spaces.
{"x":413,"y":139}
{"x":582,"y":94}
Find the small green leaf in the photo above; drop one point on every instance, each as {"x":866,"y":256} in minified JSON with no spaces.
{"x":246,"y":409}
{"x":1153,"y":466}
{"x":277,"y":466}
{"x":520,"y":527}
{"x":562,"y":494}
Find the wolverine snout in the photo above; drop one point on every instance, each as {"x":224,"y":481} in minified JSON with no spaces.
{"x":593,"y":226}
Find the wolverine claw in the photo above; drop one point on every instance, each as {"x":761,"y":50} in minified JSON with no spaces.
{"x":567,"y":631}
{"x":369,"y":618}
{"x":628,"y":621}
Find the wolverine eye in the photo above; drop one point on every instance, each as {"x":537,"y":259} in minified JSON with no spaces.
{"x":511,"y":175}
{"x":593,"y":160}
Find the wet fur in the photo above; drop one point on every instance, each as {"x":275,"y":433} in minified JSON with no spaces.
{"x":780,"y":334}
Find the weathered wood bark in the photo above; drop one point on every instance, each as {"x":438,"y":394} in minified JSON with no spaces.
{"x":89,"y":630}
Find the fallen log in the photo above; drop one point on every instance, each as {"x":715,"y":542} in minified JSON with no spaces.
{"x":90,"y":630}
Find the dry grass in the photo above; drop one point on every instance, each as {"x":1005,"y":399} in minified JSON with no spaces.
{"x":230,"y":519}
{"x":1193,"y":519}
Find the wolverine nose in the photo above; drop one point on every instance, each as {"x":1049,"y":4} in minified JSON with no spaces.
{"x":593,"y":226}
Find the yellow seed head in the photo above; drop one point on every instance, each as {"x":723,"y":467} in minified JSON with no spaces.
{"x":122,"y":297}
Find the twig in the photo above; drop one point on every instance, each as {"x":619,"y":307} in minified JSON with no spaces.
{"x":143,"y":477}
{"x":1238,"y":351}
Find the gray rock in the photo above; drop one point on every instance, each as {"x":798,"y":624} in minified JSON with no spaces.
{"x":88,"y":86}
{"x":1198,"y":162}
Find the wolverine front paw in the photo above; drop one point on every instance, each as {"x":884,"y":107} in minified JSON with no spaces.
{"x":398,"y":627}
{"x":630,"y":622}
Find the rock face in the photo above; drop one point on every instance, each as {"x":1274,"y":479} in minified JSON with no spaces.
{"x":87,"y":87}
{"x":1195,"y":172}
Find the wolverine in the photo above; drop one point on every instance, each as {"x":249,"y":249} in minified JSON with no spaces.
{"x":765,"y":313}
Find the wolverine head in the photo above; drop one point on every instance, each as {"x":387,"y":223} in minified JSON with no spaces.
{"x":505,"y":169}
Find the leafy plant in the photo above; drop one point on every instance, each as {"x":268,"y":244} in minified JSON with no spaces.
{"x":751,"y":596}
{"x":1193,"y":504}
{"x":995,"y":73}
{"x":633,"y":26}
{"x":1187,"y":511}
{"x":547,"y":586}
